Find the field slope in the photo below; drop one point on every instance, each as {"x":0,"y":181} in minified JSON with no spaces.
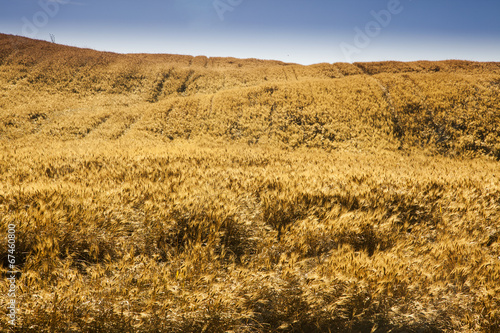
{"x":170,"y":193}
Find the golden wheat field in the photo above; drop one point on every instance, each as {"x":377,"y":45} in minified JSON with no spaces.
{"x":168,"y":193}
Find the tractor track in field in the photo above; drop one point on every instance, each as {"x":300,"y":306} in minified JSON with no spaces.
{"x":95,"y":126}
{"x":127,"y":127}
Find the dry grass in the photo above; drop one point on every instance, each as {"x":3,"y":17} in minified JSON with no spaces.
{"x":160,"y":193}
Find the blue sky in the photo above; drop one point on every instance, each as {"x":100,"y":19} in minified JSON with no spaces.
{"x":301,"y":31}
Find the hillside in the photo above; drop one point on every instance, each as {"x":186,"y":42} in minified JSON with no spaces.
{"x":170,"y":193}
{"x":451,"y":107}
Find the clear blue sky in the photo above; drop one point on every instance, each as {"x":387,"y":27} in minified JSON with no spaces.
{"x":301,"y":31}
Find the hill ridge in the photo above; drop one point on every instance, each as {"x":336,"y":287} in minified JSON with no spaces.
{"x":451,"y":107}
